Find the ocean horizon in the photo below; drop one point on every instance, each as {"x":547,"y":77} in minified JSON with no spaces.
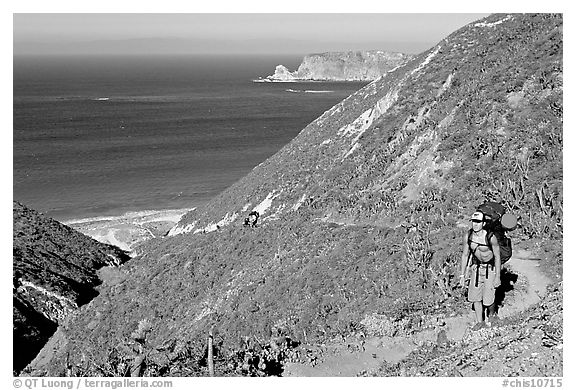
{"x":105,"y":136}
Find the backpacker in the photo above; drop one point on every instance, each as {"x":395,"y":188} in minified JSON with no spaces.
{"x":251,"y":219}
{"x":497,"y":223}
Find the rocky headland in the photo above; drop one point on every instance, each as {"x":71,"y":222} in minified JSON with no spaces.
{"x":340,"y":66}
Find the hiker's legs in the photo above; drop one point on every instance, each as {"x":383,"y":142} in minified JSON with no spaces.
{"x":479,"y":311}
{"x":475,"y":295}
{"x":492,"y":310}
{"x":489,"y":294}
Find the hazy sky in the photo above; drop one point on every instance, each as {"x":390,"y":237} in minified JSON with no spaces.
{"x":230,"y":33}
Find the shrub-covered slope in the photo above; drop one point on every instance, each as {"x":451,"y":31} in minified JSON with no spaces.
{"x":361,"y":214}
{"x":54,"y":272}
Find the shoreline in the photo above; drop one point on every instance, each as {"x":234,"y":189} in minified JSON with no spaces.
{"x":167,"y":214}
{"x":130,"y":229}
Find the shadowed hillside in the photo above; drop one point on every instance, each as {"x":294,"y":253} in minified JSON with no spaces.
{"x":362,"y":216}
{"x":54,"y":272}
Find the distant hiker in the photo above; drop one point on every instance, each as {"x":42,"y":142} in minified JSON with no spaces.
{"x":252,"y":219}
{"x":483,"y":249}
{"x":254,"y":215}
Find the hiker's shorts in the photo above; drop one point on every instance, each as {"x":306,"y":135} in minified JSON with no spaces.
{"x":485,"y":291}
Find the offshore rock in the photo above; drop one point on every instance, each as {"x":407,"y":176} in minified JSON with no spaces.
{"x":342,"y":66}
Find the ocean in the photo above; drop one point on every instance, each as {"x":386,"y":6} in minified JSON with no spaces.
{"x":105,"y":136}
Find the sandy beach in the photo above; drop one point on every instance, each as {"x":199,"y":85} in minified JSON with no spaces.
{"x":128,"y":230}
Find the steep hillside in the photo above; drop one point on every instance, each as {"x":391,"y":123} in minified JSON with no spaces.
{"x":362,"y":215}
{"x":54,"y":272}
{"x":341,"y":66}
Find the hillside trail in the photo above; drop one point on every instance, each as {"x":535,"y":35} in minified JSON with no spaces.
{"x":348,"y":359}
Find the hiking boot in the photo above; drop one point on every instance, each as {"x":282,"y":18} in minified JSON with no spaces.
{"x":479,"y":325}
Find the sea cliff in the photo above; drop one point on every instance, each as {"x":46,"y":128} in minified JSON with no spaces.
{"x":341,"y":66}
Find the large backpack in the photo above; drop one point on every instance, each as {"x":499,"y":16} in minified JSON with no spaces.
{"x":498,"y":221}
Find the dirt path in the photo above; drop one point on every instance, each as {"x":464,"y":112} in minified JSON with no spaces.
{"x":348,"y":359}
{"x":528,"y":269}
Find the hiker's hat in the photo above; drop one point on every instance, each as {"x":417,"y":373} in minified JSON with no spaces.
{"x":477,"y":216}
